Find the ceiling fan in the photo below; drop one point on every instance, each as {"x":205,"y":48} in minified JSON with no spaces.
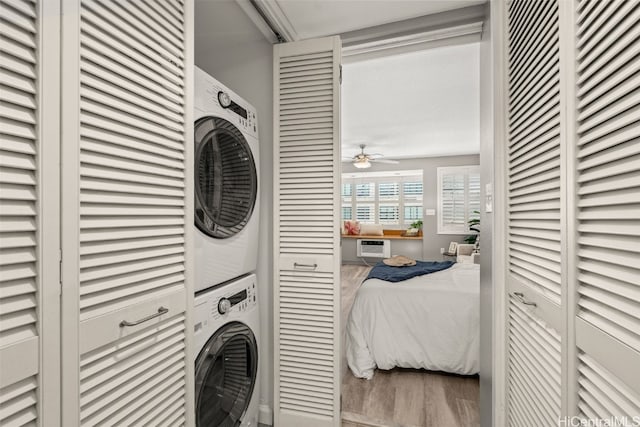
{"x":363,"y":160}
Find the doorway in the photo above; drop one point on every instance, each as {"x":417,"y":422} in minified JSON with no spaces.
{"x":408,"y":390}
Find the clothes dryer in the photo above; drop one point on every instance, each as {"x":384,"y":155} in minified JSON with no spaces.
{"x":227,"y":342}
{"x":226,"y":183}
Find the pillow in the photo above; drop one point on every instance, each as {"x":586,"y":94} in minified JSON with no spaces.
{"x":351,"y":227}
{"x":371,"y":230}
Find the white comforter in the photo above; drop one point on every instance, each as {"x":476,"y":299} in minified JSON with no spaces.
{"x":430,"y":322}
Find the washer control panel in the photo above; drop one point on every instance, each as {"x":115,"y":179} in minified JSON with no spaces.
{"x":236,"y":301}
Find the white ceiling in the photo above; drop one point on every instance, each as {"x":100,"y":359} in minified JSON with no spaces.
{"x":420,"y":104}
{"x":317,"y":18}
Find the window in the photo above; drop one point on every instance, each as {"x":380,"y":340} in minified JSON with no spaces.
{"x":347,"y":192}
{"x":393,"y":199}
{"x":412,"y":213}
{"x":365,"y":191}
{"x":347,"y":212}
{"x":412,"y":189}
{"x":458,"y":198}
{"x":389,"y":214}
{"x":388,"y":190}
{"x":365,"y":213}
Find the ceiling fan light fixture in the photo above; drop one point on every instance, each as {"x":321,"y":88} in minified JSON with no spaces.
{"x":362,"y":163}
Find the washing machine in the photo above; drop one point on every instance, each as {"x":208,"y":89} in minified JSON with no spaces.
{"x":226,"y":183}
{"x":227,"y":340}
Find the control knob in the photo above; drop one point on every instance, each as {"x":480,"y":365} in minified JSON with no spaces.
{"x":224,"y":305}
{"x":224,"y":99}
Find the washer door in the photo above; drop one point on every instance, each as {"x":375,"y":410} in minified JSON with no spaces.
{"x":226,"y":370}
{"x":226,"y":181}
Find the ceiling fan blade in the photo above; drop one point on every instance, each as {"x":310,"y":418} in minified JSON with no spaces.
{"x":388,"y":161}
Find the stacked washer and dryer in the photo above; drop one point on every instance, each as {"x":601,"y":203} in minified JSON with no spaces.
{"x":227,"y":335}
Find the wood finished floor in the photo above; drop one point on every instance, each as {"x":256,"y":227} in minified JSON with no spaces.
{"x":403,"y":397}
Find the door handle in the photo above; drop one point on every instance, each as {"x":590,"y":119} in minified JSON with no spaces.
{"x":520,"y":297}
{"x":161,"y":311}
{"x":311,"y":266}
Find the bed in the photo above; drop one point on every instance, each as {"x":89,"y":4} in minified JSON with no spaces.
{"x":430,"y":322}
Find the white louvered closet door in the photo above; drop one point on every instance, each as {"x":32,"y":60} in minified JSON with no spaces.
{"x":306,"y":233}
{"x":535,"y":194}
{"x":608,"y":209}
{"x":29,"y":214}
{"x":127,"y":212}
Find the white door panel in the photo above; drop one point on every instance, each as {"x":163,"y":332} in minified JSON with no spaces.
{"x":127,"y":213}
{"x":306,"y":226}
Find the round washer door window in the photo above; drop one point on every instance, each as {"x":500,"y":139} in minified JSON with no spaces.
{"x":226,"y":371}
{"x":226,"y":182}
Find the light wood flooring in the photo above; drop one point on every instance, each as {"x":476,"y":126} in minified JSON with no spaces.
{"x":403,"y":397}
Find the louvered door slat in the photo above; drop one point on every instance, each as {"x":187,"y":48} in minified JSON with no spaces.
{"x":18,"y":403}
{"x":20,"y":283}
{"x":534,"y":140}
{"x":307,"y":250}
{"x":129,"y":166}
{"x":96,"y":38}
{"x":124,"y":381}
{"x":534,"y":371}
{"x":612,"y":192}
{"x":602,"y":394}
{"x":608,"y":208}
{"x":156,"y":12}
{"x":130,"y":36}
{"x":17,"y":18}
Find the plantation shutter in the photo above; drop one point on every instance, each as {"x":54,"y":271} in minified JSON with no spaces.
{"x":306,"y":233}
{"x":534,"y":185}
{"x":473,"y":195}
{"x":608,"y":208}
{"x":453,"y":201}
{"x":126,"y":212}
{"x":458,"y":198}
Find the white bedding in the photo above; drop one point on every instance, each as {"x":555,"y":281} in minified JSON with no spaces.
{"x":430,"y":321}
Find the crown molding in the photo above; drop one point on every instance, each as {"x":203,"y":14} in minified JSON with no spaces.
{"x":461,"y":34}
{"x":269,"y":17}
{"x":257,"y":19}
{"x":444,"y":28}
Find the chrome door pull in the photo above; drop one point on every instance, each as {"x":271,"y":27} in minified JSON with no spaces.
{"x":161,"y":311}
{"x":523,"y":300}
{"x":311,"y":266}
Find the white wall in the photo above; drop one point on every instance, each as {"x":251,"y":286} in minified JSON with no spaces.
{"x":229,"y":47}
{"x":431,"y":240}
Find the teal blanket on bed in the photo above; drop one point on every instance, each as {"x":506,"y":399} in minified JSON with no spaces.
{"x":397,"y":274}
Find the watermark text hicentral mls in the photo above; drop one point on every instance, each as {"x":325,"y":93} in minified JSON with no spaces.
{"x":599,"y":422}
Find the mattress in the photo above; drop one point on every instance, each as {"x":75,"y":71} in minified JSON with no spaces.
{"x":430,"y":322}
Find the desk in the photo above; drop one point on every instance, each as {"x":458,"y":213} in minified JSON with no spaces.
{"x":387,"y":235}
{"x":410,"y":246}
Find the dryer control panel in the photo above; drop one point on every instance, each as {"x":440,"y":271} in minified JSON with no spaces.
{"x":212,"y":97}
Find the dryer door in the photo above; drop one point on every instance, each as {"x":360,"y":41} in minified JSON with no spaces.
{"x":226,"y":182}
{"x":226,"y":370}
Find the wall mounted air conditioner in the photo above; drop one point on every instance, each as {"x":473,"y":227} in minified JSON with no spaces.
{"x":374,"y":248}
